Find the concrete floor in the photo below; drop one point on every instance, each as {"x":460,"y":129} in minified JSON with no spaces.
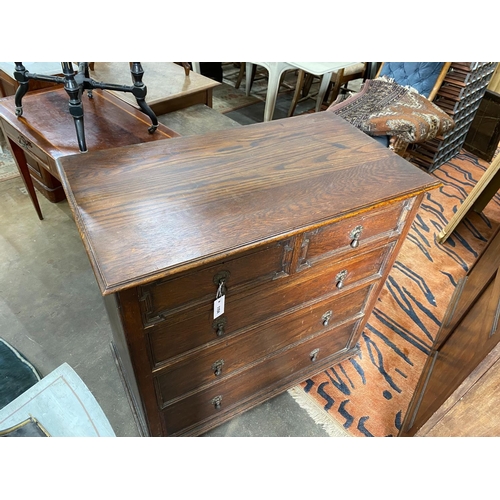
{"x":51,"y":309}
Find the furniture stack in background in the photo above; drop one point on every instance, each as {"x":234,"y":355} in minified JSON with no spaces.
{"x":459,"y":96}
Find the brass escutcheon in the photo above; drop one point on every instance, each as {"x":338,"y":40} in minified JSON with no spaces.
{"x":217,"y":367}
{"x":217,"y":401}
{"x":219,"y":326}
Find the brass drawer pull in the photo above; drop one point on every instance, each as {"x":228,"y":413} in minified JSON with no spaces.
{"x":340,"y":278}
{"x":217,"y":367}
{"x":219,"y":326}
{"x":23,"y":142}
{"x":314,"y":355}
{"x":220,"y":280}
{"x":355,"y":235}
{"x":325,"y":319}
{"x":217,"y":402}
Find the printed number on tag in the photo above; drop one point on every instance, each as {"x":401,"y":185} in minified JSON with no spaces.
{"x":219,"y":306}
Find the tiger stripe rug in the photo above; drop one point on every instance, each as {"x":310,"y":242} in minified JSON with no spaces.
{"x":369,"y":394}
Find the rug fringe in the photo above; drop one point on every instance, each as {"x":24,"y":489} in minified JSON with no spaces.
{"x":317,"y":413}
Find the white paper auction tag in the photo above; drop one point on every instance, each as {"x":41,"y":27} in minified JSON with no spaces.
{"x":219,"y":306}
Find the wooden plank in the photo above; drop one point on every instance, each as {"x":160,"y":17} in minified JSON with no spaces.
{"x":472,"y":408}
{"x":489,"y":178}
{"x":462,"y":344}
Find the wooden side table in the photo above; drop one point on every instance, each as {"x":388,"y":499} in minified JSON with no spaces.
{"x":169,"y":89}
{"x":46,"y":132}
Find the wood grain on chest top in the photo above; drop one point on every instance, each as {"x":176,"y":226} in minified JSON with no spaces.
{"x":147,"y":209}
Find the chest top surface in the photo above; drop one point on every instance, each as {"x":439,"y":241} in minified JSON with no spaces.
{"x":147,"y":210}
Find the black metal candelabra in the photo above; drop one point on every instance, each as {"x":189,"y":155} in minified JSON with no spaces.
{"x":75,"y":83}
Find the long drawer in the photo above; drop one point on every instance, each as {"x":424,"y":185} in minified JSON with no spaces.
{"x":227,"y":394}
{"x":194,"y":327}
{"x":266,"y":264}
{"x":224,"y":358}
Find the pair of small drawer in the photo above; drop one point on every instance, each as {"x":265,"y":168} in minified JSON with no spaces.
{"x":219,"y":398}
{"x":350,"y":235}
{"x":194,"y":328}
{"x":354,"y":232}
{"x":223,"y":359}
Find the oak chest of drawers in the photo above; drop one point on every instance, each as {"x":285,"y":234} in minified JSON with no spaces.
{"x":292,"y":224}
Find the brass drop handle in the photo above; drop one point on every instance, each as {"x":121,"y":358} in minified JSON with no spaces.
{"x":219,"y":326}
{"x":217,"y":402}
{"x":355,"y":235}
{"x":340,"y":278}
{"x":217,"y":367}
{"x":325,"y":319}
{"x":314,"y":355}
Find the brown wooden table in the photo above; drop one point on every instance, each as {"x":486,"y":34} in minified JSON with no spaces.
{"x":46,"y":132}
{"x":169,"y":89}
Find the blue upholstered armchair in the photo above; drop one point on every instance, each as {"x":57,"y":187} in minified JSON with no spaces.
{"x":425,"y":77}
{"x":389,"y":107}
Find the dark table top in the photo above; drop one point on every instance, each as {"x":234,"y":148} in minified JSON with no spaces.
{"x":109,"y":122}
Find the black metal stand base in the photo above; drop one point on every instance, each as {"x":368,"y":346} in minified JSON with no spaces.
{"x":75,"y":83}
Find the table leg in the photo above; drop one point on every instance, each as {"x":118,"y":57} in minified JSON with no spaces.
{"x":75,"y":103}
{"x":20,"y":74}
{"x":272,"y":93}
{"x":248,"y":77}
{"x":325,"y":80}
{"x":140,"y":94}
{"x":22,"y":165}
{"x":296,"y":94}
{"x":208,"y":98}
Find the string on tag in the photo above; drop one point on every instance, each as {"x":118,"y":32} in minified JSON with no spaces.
{"x":219,"y":290}
{"x":220,"y":300}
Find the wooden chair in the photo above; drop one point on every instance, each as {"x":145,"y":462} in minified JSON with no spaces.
{"x":341,"y":79}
